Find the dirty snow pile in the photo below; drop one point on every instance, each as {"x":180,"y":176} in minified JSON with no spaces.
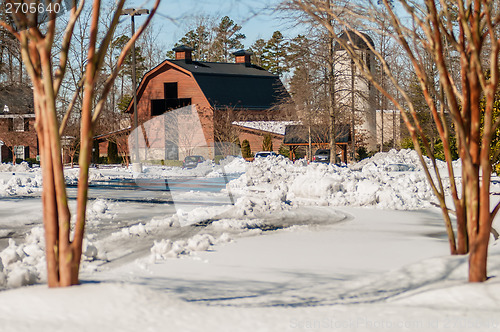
{"x":19,"y":180}
{"x":391,"y":180}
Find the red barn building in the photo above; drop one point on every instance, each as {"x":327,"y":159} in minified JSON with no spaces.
{"x":220,"y":93}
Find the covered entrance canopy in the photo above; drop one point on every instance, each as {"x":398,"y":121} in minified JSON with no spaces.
{"x":298,"y":135}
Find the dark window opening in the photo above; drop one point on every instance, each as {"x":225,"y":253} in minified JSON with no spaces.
{"x":170,"y":90}
{"x":157,"y":107}
{"x":160,"y":106}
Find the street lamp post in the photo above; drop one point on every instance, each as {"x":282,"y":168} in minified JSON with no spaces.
{"x":136,"y":162}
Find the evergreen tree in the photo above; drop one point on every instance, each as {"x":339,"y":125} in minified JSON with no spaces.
{"x":126,"y":70}
{"x":199,"y":40}
{"x":275,"y":57}
{"x":246,"y":151}
{"x":227,"y":38}
{"x":258,"y":49}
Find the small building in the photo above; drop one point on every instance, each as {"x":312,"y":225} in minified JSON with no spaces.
{"x":300,"y":136}
{"x":18,"y":136}
{"x":217,"y":94}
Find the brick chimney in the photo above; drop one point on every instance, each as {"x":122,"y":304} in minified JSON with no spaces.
{"x":183,"y":52}
{"x":243,"y":57}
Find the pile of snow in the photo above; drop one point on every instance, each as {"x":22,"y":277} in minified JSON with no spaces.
{"x":99,"y":210}
{"x":71,"y":175}
{"x":383,"y":160}
{"x":167,"y":248}
{"x":228,"y":165}
{"x":24,"y":264}
{"x":19,"y":184}
{"x":375,"y":182}
{"x":22,"y":167}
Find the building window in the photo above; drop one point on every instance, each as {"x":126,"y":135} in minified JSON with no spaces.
{"x":170,"y":90}
{"x":19,"y":124}
{"x":160,"y":106}
{"x":19,"y":151}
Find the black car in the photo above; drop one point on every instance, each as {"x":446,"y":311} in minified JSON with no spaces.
{"x":323,"y":156}
{"x":264,"y":154}
{"x":192,"y":161}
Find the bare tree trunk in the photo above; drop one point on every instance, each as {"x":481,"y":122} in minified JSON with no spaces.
{"x":331,"y":86}
{"x":63,"y":255}
{"x":468,"y":101}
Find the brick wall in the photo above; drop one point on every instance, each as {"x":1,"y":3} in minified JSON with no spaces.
{"x":26,"y":138}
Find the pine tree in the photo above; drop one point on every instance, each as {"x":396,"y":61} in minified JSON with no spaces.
{"x":258,"y":50}
{"x":246,"y":151}
{"x":199,"y":40}
{"x":227,"y":38}
{"x":126,"y":70}
{"x":275,"y":56}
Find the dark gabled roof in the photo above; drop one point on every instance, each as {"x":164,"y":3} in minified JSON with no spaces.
{"x":17,"y":97}
{"x":298,"y":134}
{"x":358,"y":41}
{"x":236,"y":84}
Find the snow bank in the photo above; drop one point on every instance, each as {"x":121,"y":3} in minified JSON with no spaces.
{"x":20,"y":185}
{"x":208,"y":168}
{"x":24,"y":263}
{"x":172,"y":249}
{"x":388,"y":180}
{"x":19,"y":180}
{"x":392,"y":158}
{"x":22,"y":167}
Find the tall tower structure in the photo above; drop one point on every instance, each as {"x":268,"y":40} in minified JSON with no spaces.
{"x":355,"y":95}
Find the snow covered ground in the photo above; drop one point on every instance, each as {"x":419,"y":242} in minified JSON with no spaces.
{"x":282,"y":247}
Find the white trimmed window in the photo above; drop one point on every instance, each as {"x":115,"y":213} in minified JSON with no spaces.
{"x":18,"y":124}
{"x":19,"y":151}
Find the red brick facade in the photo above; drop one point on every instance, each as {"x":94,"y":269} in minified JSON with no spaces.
{"x":15,"y":136}
{"x":256,"y":137}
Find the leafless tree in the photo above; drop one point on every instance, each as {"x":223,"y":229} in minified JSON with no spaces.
{"x":37,"y":44}
{"x":470,"y":29}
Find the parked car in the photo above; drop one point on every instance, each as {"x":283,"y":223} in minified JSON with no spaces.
{"x":264,"y":154}
{"x":192,"y":161}
{"x":323,"y":156}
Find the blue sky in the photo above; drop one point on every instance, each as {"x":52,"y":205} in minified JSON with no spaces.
{"x":255,"y":16}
